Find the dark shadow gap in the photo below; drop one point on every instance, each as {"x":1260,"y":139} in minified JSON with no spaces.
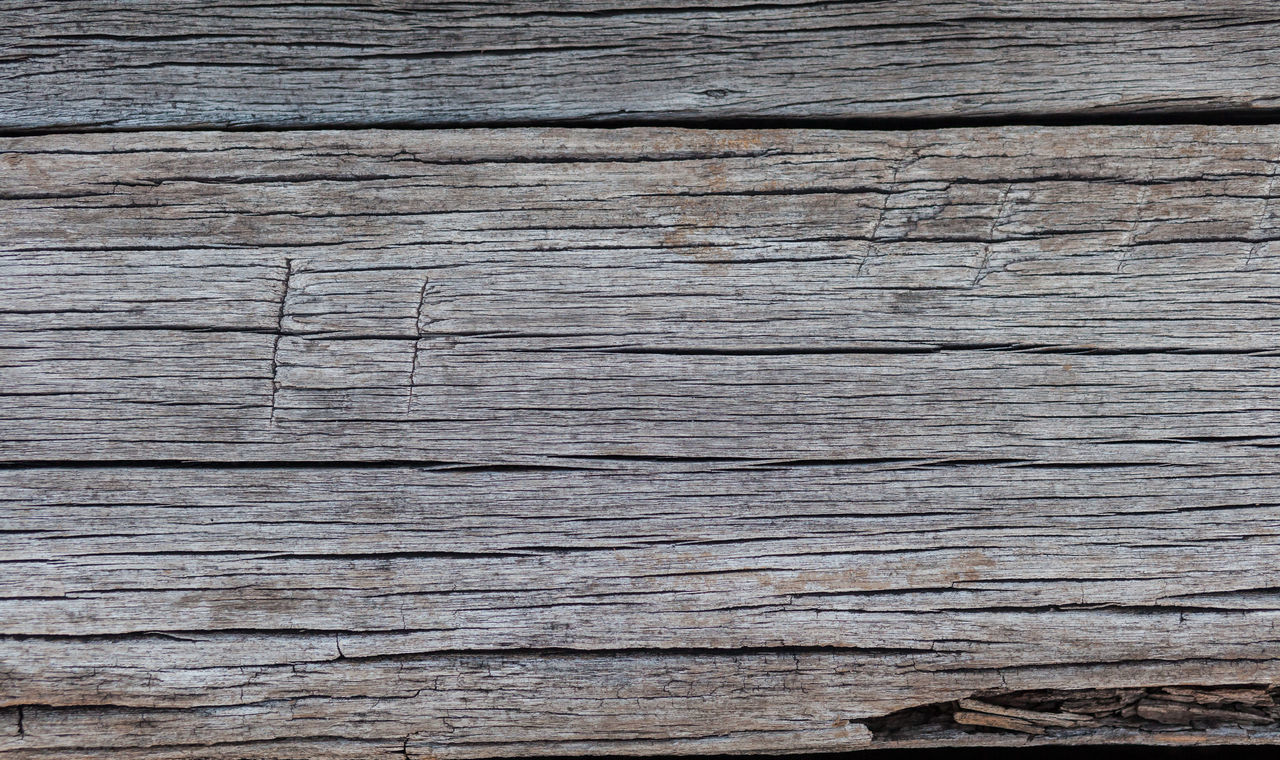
{"x":604,"y":463}
{"x":1210,"y":117}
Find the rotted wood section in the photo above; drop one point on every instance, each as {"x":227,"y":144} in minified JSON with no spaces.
{"x":481,"y":443}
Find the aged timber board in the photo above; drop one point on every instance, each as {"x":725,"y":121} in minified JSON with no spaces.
{"x":476,"y":443}
{"x":1086,"y":294}
{"x":183,"y":63}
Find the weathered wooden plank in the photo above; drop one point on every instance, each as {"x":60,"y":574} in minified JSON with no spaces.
{"x":490,"y":296}
{"x":635,"y":441}
{"x":998,"y":565}
{"x":183,"y":63}
{"x":248,"y":695}
{"x":255,"y":612}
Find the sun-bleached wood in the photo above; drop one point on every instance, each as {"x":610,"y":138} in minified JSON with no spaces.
{"x":1084,"y":294}
{"x":243,"y":695}
{"x":418,"y":612}
{"x":480,"y":443}
{"x":181,"y":63}
{"x":999,"y":564}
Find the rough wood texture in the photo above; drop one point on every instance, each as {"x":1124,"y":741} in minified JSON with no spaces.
{"x":553,"y":441}
{"x":170,"y":63}
{"x":1091,"y":294}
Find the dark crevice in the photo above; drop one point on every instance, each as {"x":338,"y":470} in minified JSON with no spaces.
{"x":207,"y":636}
{"x":331,"y":556}
{"x":922,"y":347}
{"x":1208,"y":115}
{"x":560,"y":462}
{"x":284,"y":464}
{"x":935,"y":348}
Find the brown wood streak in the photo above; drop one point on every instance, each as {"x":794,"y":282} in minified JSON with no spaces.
{"x":519,"y":442}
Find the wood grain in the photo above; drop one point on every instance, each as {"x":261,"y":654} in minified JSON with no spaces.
{"x":1086,"y":294}
{"x":285,"y":697}
{"x":181,"y":63}
{"x":881,"y":556}
{"x":476,"y":443}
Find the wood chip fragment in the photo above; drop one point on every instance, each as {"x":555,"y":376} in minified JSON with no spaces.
{"x":997,"y":721}
{"x":1212,"y":696}
{"x":1061,"y":720}
{"x":1179,"y":713}
{"x":1103,"y":701}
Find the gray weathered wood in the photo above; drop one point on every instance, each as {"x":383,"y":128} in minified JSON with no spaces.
{"x":1087,"y":294}
{"x":90,"y":63}
{"x":962,"y":556}
{"x":636,"y":441}
{"x":251,"y":696}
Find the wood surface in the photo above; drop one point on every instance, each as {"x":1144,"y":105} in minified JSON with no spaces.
{"x":1090,"y":294}
{"x":477,"y":443}
{"x":94,"y":64}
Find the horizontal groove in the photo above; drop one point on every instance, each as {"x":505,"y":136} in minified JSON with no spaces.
{"x":553,"y":652}
{"x":267,"y":464}
{"x":936,"y":348}
{"x":515,"y":651}
{"x":1100,"y":117}
{"x":922,"y":347}
{"x":422,"y":464}
{"x":557,"y":462}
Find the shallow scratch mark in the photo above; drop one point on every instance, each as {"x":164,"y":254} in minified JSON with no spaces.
{"x":1002,"y":209}
{"x":1260,"y":229}
{"x":871,"y":236}
{"x":1126,"y":244}
{"x":907,"y":160}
